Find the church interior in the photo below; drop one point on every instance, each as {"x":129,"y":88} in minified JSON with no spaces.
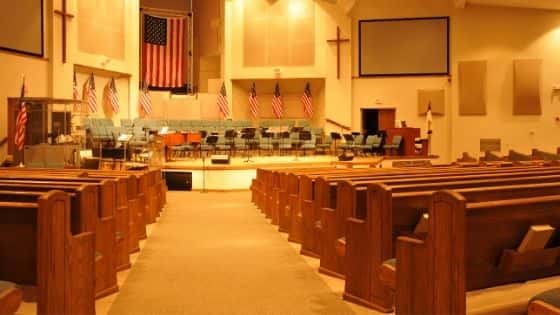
{"x":279,"y":157}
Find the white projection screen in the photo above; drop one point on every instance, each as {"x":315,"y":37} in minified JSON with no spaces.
{"x":400,"y":47}
{"x":21,"y":22}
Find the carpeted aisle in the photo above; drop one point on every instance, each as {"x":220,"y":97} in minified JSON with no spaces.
{"x":216,"y":254}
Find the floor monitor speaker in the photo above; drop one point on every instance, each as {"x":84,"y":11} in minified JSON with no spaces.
{"x":176,"y":180}
{"x":346,"y":156}
{"x":220,"y":159}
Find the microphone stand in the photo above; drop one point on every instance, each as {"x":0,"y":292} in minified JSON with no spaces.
{"x":203,"y":174}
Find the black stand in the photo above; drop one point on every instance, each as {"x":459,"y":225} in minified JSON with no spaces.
{"x":249,"y":135}
{"x":349,"y":138}
{"x":303,"y":136}
{"x":230,"y":135}
{"x":335,"y":136}
{"x":203,"y":174}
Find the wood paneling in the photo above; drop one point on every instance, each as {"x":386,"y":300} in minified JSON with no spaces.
{"x":526,"y":87}
{"x":101,"y":29}
{"x":472,"y":88}
{"x":279,"y":33}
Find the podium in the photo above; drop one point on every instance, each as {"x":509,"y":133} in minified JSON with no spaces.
{"x":408,"y":139}
{"x":47,"y":119}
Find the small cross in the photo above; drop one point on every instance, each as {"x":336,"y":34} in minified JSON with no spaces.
{"x":65,"y":16}
{"x":338,"y":41}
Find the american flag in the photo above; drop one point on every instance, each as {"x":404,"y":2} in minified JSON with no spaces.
{"x":429,"y":118}
{"x":163,"y":51}
{"x":254,"y":101}
{"x":144,"y":100}
{"x":75,"y":92}
{"x":277,"y":105}
{"x":89,"y":94}
{"x":223,"y":102}
{"x":307,"y":101}
{"x":21,"y":121}
{"x":112,"y":96}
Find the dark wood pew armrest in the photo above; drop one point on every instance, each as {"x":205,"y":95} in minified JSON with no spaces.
{"x":10,"y":298}
{"x":542,"y":308}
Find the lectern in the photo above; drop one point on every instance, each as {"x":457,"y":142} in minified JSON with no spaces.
{"x":47,"y":119}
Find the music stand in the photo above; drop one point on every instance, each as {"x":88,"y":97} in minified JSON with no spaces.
{"x":249,"y":135}
{"x":349,"y":138}
{"x":210,"y":141}
{"x":304,"y":135}
{"x":284,"y":136}
{"x":230,"y":136}
{"x":335,"y":136}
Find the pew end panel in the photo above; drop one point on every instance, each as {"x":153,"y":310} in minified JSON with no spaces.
{"x":10,"y":298}
{"x":296,"y":224}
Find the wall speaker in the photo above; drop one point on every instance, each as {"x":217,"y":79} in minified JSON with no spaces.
{"x":220,"y":159}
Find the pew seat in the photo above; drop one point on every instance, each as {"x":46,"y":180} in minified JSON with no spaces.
{"x":545,"y":303}
{"x":10,"y":298}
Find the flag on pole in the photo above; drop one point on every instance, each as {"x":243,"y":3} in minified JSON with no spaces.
{"x":144,"y":99}
{"x":254,"y":101}
{"x":223,"y":102}
{"x":75,"y":92}
{"x":163,"y":51}
{"x":21,"y":121}
{"x":429,"y":119}
{"x":307,"y":101}
{"x":277,"y":105}
{"x":89,"y":94}
{"x":111,"y":95}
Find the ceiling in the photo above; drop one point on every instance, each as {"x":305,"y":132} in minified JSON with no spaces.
{"x":536,"y":4}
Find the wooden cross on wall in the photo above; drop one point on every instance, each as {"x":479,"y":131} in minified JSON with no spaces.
{"x":338,"y":41}
{"x":65,"y":16}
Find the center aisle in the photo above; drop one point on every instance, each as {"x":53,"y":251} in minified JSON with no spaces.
{"x":215,"y":253}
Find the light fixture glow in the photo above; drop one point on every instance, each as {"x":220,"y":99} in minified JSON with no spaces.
{"x":296,"y":8}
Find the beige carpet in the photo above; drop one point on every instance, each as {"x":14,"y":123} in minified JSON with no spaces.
{"x":216,"y":254}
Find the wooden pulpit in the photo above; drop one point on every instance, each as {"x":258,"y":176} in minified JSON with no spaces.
{"x":46,"y":117}
{"x":408,"y":135}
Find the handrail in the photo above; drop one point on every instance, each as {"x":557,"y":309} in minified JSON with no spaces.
{"x":339,"y":125}
{"x":3,"y":141}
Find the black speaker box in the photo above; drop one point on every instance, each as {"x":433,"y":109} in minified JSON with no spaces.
{"x":346,"y":156}
{"x":220,"y":159}
{"x":178,"y":180}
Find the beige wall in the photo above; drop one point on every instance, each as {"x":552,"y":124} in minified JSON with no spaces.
{"x":335,"y":102}
{"x":36,"y":71}
{"x":520,"y":34}
{"x":51,"y":78}
{"x":400,"y":92}
{"x":498,"y":35}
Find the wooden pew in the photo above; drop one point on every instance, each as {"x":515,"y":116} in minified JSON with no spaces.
{"x":544,"y":156}
{"x":150,"y":186}
{"x":90,"y":218}
{"x":469,"y":246}
{"x":394,"y":211}
{"x":350,"y":199}
{"x":325,"y":203}
{"x":41,"y":251}
{"x":108,"y":197}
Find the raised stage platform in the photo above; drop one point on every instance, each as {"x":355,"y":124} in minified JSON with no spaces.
{"x":237,"y":175}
